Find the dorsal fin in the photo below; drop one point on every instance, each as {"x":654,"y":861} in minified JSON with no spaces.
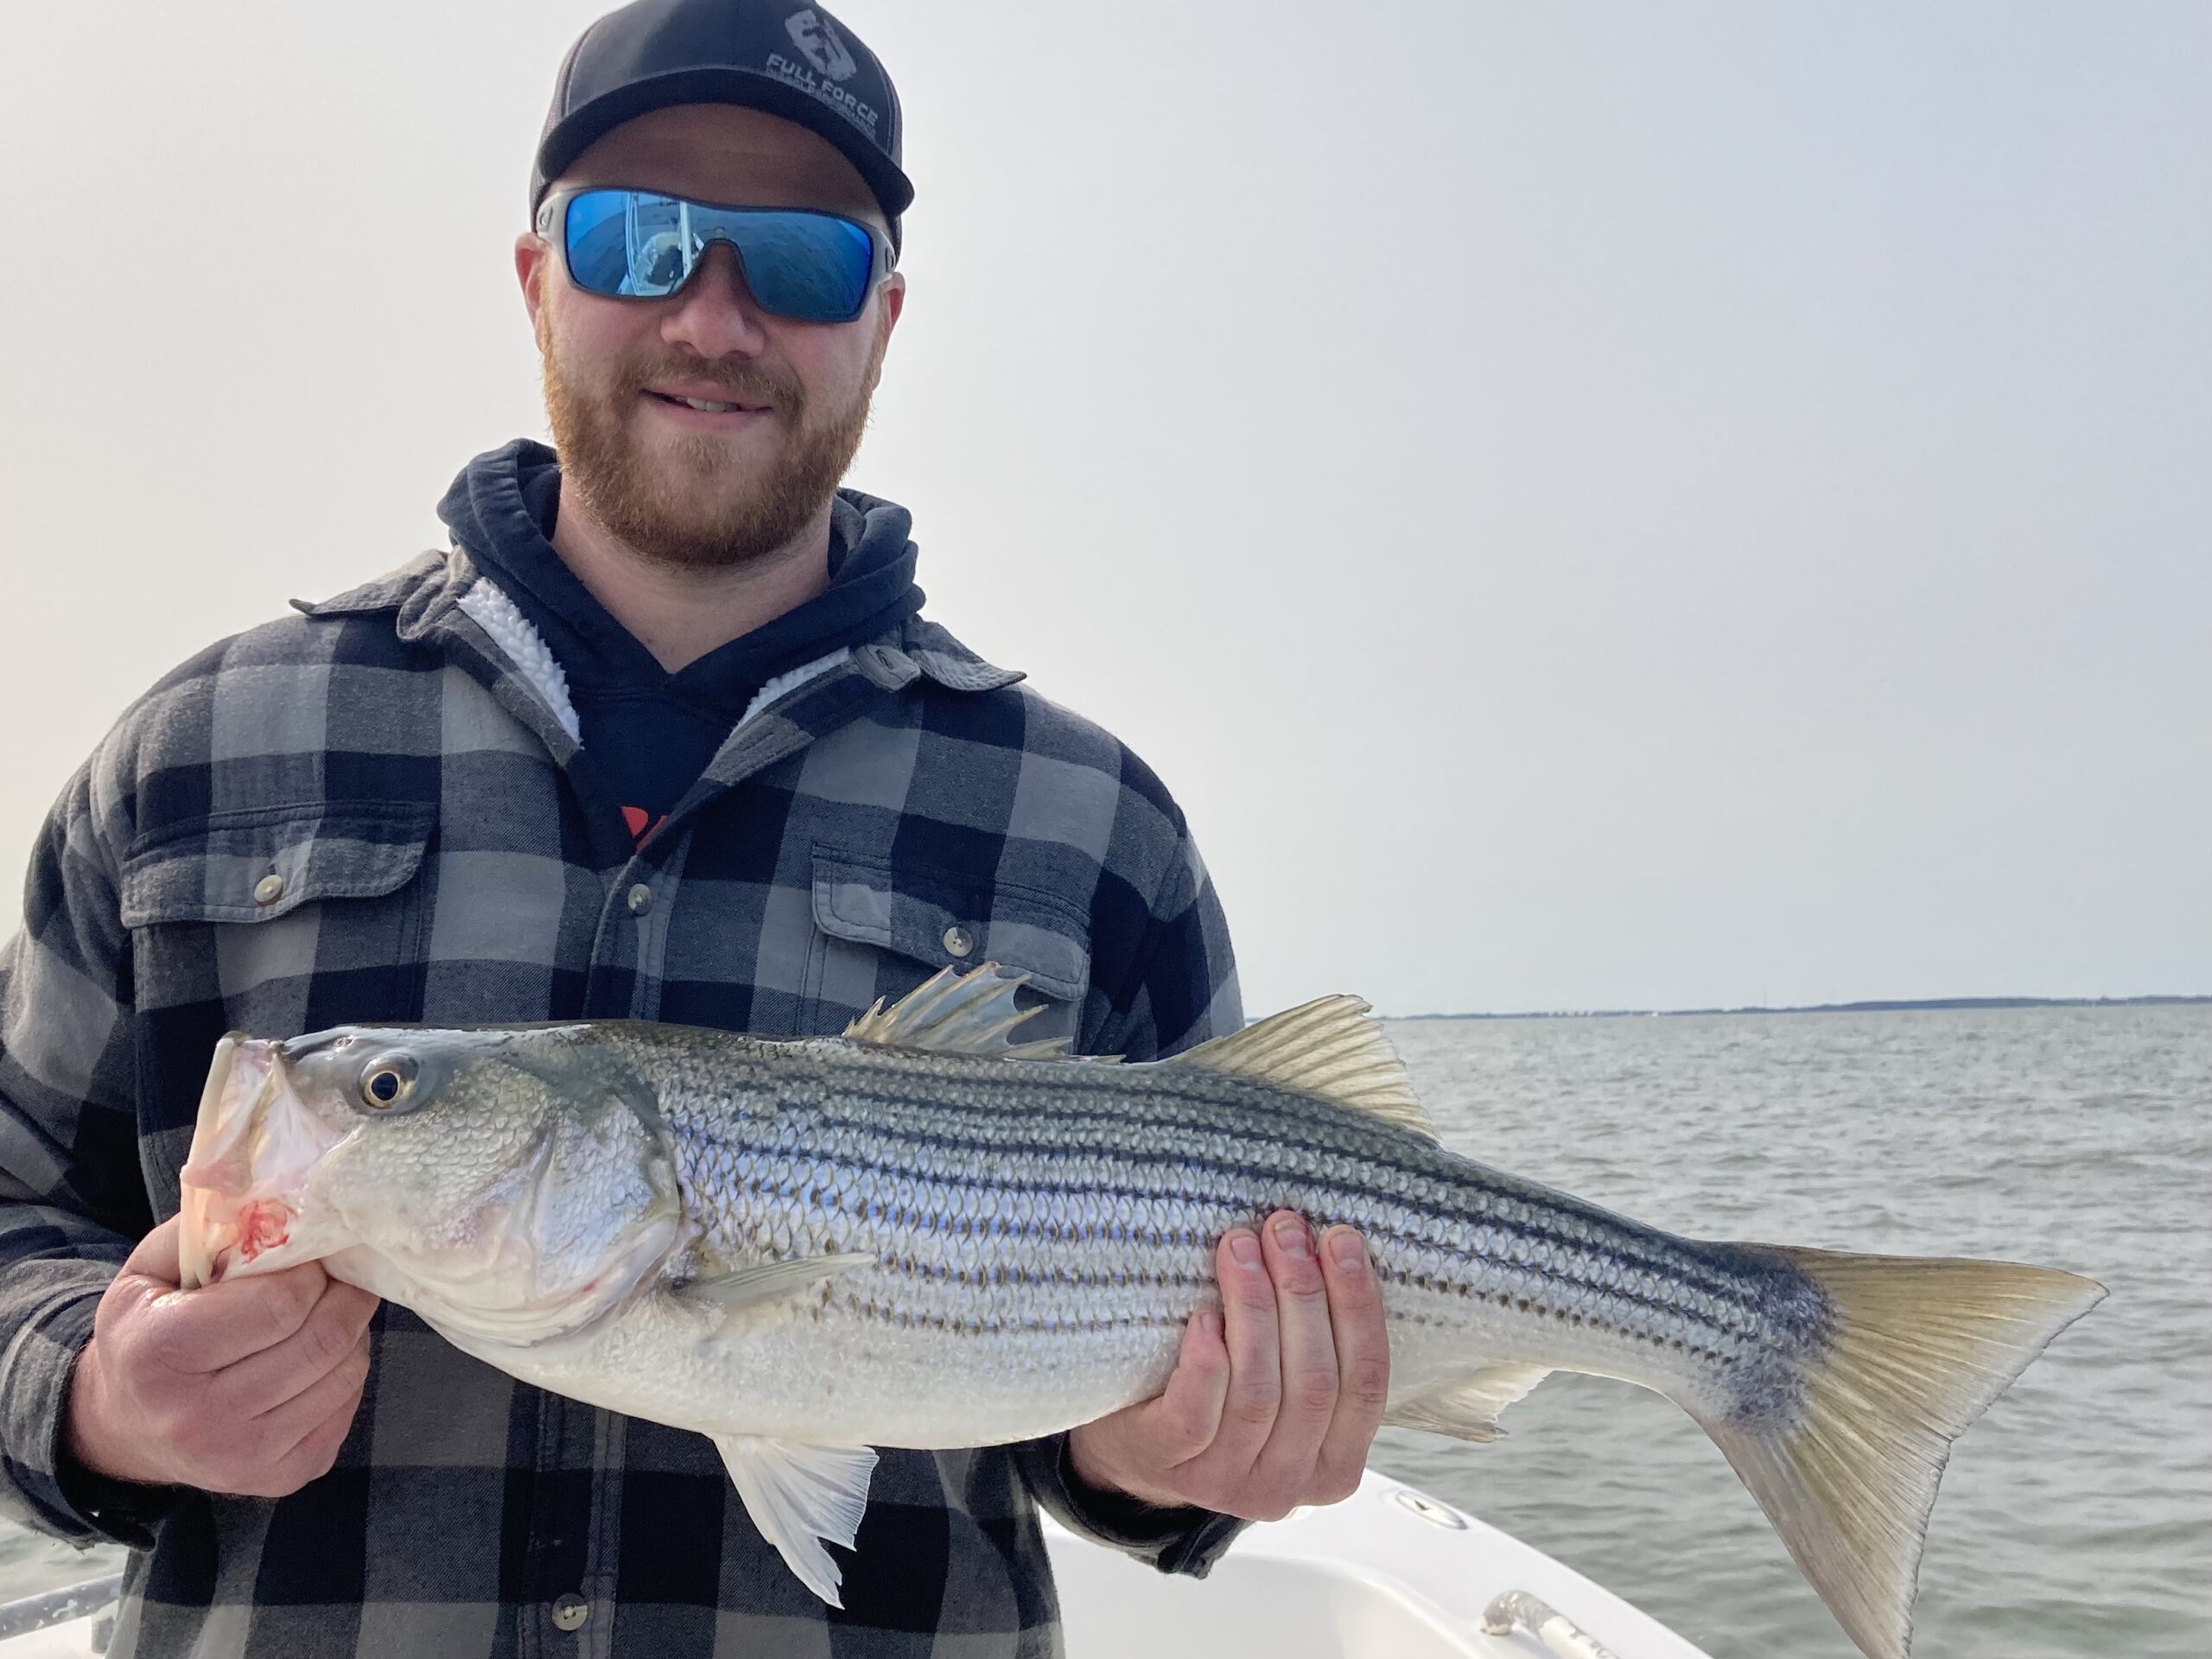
{"x":964,"y":1014}
{"x":1330,"y":1047}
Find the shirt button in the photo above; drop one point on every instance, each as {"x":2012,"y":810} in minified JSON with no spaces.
{"x":641,"y":899}
{"x":268,"y":889}
{"x":570,"y":1612}
{"x":958,"y":942}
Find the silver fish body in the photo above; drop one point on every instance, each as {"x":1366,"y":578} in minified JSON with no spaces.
{"x":1040,"y":1234}
{"x":925,"y":1235}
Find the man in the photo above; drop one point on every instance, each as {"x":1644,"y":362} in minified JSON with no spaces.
{"x":662,"y":736}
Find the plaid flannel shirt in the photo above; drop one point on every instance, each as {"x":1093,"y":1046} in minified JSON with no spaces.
{"x":378,"y":811}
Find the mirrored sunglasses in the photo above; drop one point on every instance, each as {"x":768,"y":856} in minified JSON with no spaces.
{"x":644,"y":244}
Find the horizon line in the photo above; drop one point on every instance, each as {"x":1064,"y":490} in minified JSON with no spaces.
{"x":1871,"y":1005}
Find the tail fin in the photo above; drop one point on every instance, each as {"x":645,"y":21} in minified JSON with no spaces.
{"x":1917,"y":1352}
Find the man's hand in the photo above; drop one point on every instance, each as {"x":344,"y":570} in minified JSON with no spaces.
{"x":247,"y":1387}
{"x":1274,"y":1403}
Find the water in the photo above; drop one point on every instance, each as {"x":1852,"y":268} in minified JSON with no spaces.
{"x":2077,"y":1518}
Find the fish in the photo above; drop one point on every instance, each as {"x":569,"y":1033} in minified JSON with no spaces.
{"x":928,"y":1232}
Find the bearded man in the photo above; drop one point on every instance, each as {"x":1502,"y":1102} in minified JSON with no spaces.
{"x":663,"y":735}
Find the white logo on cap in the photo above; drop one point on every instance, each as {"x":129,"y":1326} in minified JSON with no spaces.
{"x":811,"y":32}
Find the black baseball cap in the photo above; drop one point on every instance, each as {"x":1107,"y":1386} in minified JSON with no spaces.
{"x":784,"y":59}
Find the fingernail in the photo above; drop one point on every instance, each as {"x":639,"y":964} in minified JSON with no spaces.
{"x":1345,"y":1245}
{"x":1245,"y":1248}
{"x":1295,"y":1236}
{"x":1209,"y":1325}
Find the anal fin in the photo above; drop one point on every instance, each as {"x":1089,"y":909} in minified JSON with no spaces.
{"x":1467,"y":1408}
{"x":800,"y":1496}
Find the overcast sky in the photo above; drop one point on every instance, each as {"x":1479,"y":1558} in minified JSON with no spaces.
{"x":1627,"y":504}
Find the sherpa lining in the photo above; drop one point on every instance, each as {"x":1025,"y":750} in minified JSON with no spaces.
{"x":489,"y":608}
{"x":790,"y":679}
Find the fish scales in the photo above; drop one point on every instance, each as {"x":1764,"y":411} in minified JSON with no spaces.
{"x":927,"y":1233}
{"x":1066,"y":1197}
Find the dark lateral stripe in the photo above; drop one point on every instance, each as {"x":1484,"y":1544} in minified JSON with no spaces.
{"x":1730,"y":1293}
{"x":979,"y":1283}
{"x":1012,"y":1088}
{"x":1611,"y":1236}
{"x":979,"y":1279}
{"x":1263,"y":1135}
{"x":980,"y":1324}
{"x":999,"y":1221}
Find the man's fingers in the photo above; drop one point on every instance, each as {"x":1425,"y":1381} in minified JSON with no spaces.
{"x":206,"y":1329}
{"x":156,"y":1258}
{"x":1182,"y":1421}
{"x":1250,"y":1331}
{"x":336,"y":1393}
{"x":1308,"y":1350}
{"x":327,"y":1339}
{"x":1363,"y":1363}
{"x":313,"y":1456}
{"x":301,"y":1438}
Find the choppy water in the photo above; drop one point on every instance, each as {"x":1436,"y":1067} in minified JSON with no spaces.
{"x":2077,"y":1518}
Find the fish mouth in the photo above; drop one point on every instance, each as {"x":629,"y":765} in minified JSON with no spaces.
{"x":244,"y":1184}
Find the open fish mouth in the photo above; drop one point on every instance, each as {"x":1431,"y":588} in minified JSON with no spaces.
{"x":286,"y":1167}
{"x":253,"y":1146}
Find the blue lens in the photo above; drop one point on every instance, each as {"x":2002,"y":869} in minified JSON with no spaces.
{"x":641,"y":244}
{"x":626,"y":243}
{"x":805,"y":265}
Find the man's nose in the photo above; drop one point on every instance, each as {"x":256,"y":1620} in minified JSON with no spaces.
{"x":715,"y":314}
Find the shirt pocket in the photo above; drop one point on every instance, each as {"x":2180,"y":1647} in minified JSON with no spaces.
{"x":297,"y":916}
{"x":882,"y":927}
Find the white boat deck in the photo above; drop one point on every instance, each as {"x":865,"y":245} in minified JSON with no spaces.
{"x":1389,"y":1574}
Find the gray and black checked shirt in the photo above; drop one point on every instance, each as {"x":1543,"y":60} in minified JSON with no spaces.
{"x":378,"y":811}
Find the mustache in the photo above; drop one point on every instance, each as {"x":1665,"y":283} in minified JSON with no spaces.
{"x":744,"y":381}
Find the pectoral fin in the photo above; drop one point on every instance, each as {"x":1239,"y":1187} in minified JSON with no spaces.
{"x":800,"y":1496}
{"x":750,"y":1288}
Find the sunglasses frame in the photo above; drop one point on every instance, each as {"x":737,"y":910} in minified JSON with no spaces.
{"x":552,"y":227}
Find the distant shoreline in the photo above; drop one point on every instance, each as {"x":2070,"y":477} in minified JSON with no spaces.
{"x":1898,"y":1006}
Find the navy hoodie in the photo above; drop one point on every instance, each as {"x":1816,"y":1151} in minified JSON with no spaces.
{"x":650,"y":732}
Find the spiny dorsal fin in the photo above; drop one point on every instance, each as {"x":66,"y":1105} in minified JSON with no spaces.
{"x":962,"y":1014}
{"x":1328,"y":1047}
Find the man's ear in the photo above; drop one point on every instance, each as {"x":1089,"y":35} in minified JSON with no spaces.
{"x":531,"y":253}
{"x":891,"y":298}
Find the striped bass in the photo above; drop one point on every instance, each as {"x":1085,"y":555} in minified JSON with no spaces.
{"x":926,"y":1233}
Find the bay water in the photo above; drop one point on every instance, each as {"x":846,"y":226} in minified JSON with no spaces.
{"x":2075,"y":1520}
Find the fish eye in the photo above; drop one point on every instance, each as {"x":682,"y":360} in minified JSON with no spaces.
{"x":387,"y":1082}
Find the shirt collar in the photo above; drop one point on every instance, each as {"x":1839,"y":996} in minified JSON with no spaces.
{"x":425,"y":595}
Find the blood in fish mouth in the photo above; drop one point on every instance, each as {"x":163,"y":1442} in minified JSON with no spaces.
{"x":263,"y":1225}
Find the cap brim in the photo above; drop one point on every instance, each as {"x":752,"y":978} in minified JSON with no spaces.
{"x":584,"y":126}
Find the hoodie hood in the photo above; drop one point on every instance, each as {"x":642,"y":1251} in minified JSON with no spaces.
{"x":651,"y":734}
{"x":502,"y":507}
